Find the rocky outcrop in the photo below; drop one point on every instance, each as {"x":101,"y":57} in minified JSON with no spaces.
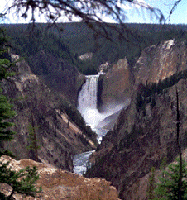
{"x":145,"y":132}
{"x":58,"y":184}
{"x":103,"y":68}
{"x":86,"y":56}
{"x":37,"y":106}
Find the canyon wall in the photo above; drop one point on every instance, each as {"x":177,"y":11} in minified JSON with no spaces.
{"x":37,"y":106}
{"x":145,"y":132}
{"x":158,"y":62}
{"x":58,"y":74}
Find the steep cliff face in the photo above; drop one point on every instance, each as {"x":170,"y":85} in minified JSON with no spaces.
{"x":37,"y":106}
{"x":145,"y":132}
{"x":59,"y":184}
{"x":156,"y":63}
{"x":161,"y":61}
{"x":115,"y":85}
{"x":58,"y":74}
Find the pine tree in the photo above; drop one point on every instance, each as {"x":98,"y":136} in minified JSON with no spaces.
{"x":173,"y":183}
{"x":6,"y":112}
{"x":151,"y":185}
{"x":168,"y":188}
{"x":22,"y":181}
{"x":33,"y":147}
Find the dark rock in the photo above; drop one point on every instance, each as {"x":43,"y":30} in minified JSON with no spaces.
{"x":58,"y":74}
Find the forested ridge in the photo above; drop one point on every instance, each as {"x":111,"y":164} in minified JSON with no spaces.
{"x":68,"y":41}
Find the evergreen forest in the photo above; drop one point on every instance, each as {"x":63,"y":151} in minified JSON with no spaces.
{"x":68,"y":41}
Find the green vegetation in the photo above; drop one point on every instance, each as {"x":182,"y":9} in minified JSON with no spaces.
{"x":168,"y":186}
{"x":6,"y":111}
{"x":77,"y":39}
{"x":146,"y":93}
{"x":151,"y":185}
{"x":33,"y":147}
{"x":22,"y":181}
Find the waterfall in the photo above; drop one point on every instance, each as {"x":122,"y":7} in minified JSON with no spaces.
{"x":88,"y":108}
{"x":88,"y":94}
{"x":88,"y":101}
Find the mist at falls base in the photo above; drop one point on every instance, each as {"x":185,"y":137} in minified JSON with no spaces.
{"x":97,"y":121}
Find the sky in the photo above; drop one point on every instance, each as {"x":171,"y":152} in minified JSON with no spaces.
{"x":134,"y":14}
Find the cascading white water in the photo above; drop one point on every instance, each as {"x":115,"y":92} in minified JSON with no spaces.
{"x":88,"y":108}
{"x":88,"y":101}
{"x":88,"y":93}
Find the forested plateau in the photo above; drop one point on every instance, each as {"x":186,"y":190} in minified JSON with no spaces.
{"x":68,"y":41}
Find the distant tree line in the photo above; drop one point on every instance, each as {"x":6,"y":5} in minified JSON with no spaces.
{"x":77,"y":39}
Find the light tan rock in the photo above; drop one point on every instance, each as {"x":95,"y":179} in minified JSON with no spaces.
{"x":59,"y":184}
{"x":5,"y":189}
{"x":159,"y":62}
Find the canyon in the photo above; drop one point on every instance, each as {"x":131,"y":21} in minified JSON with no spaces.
{"x":139,"y":137}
